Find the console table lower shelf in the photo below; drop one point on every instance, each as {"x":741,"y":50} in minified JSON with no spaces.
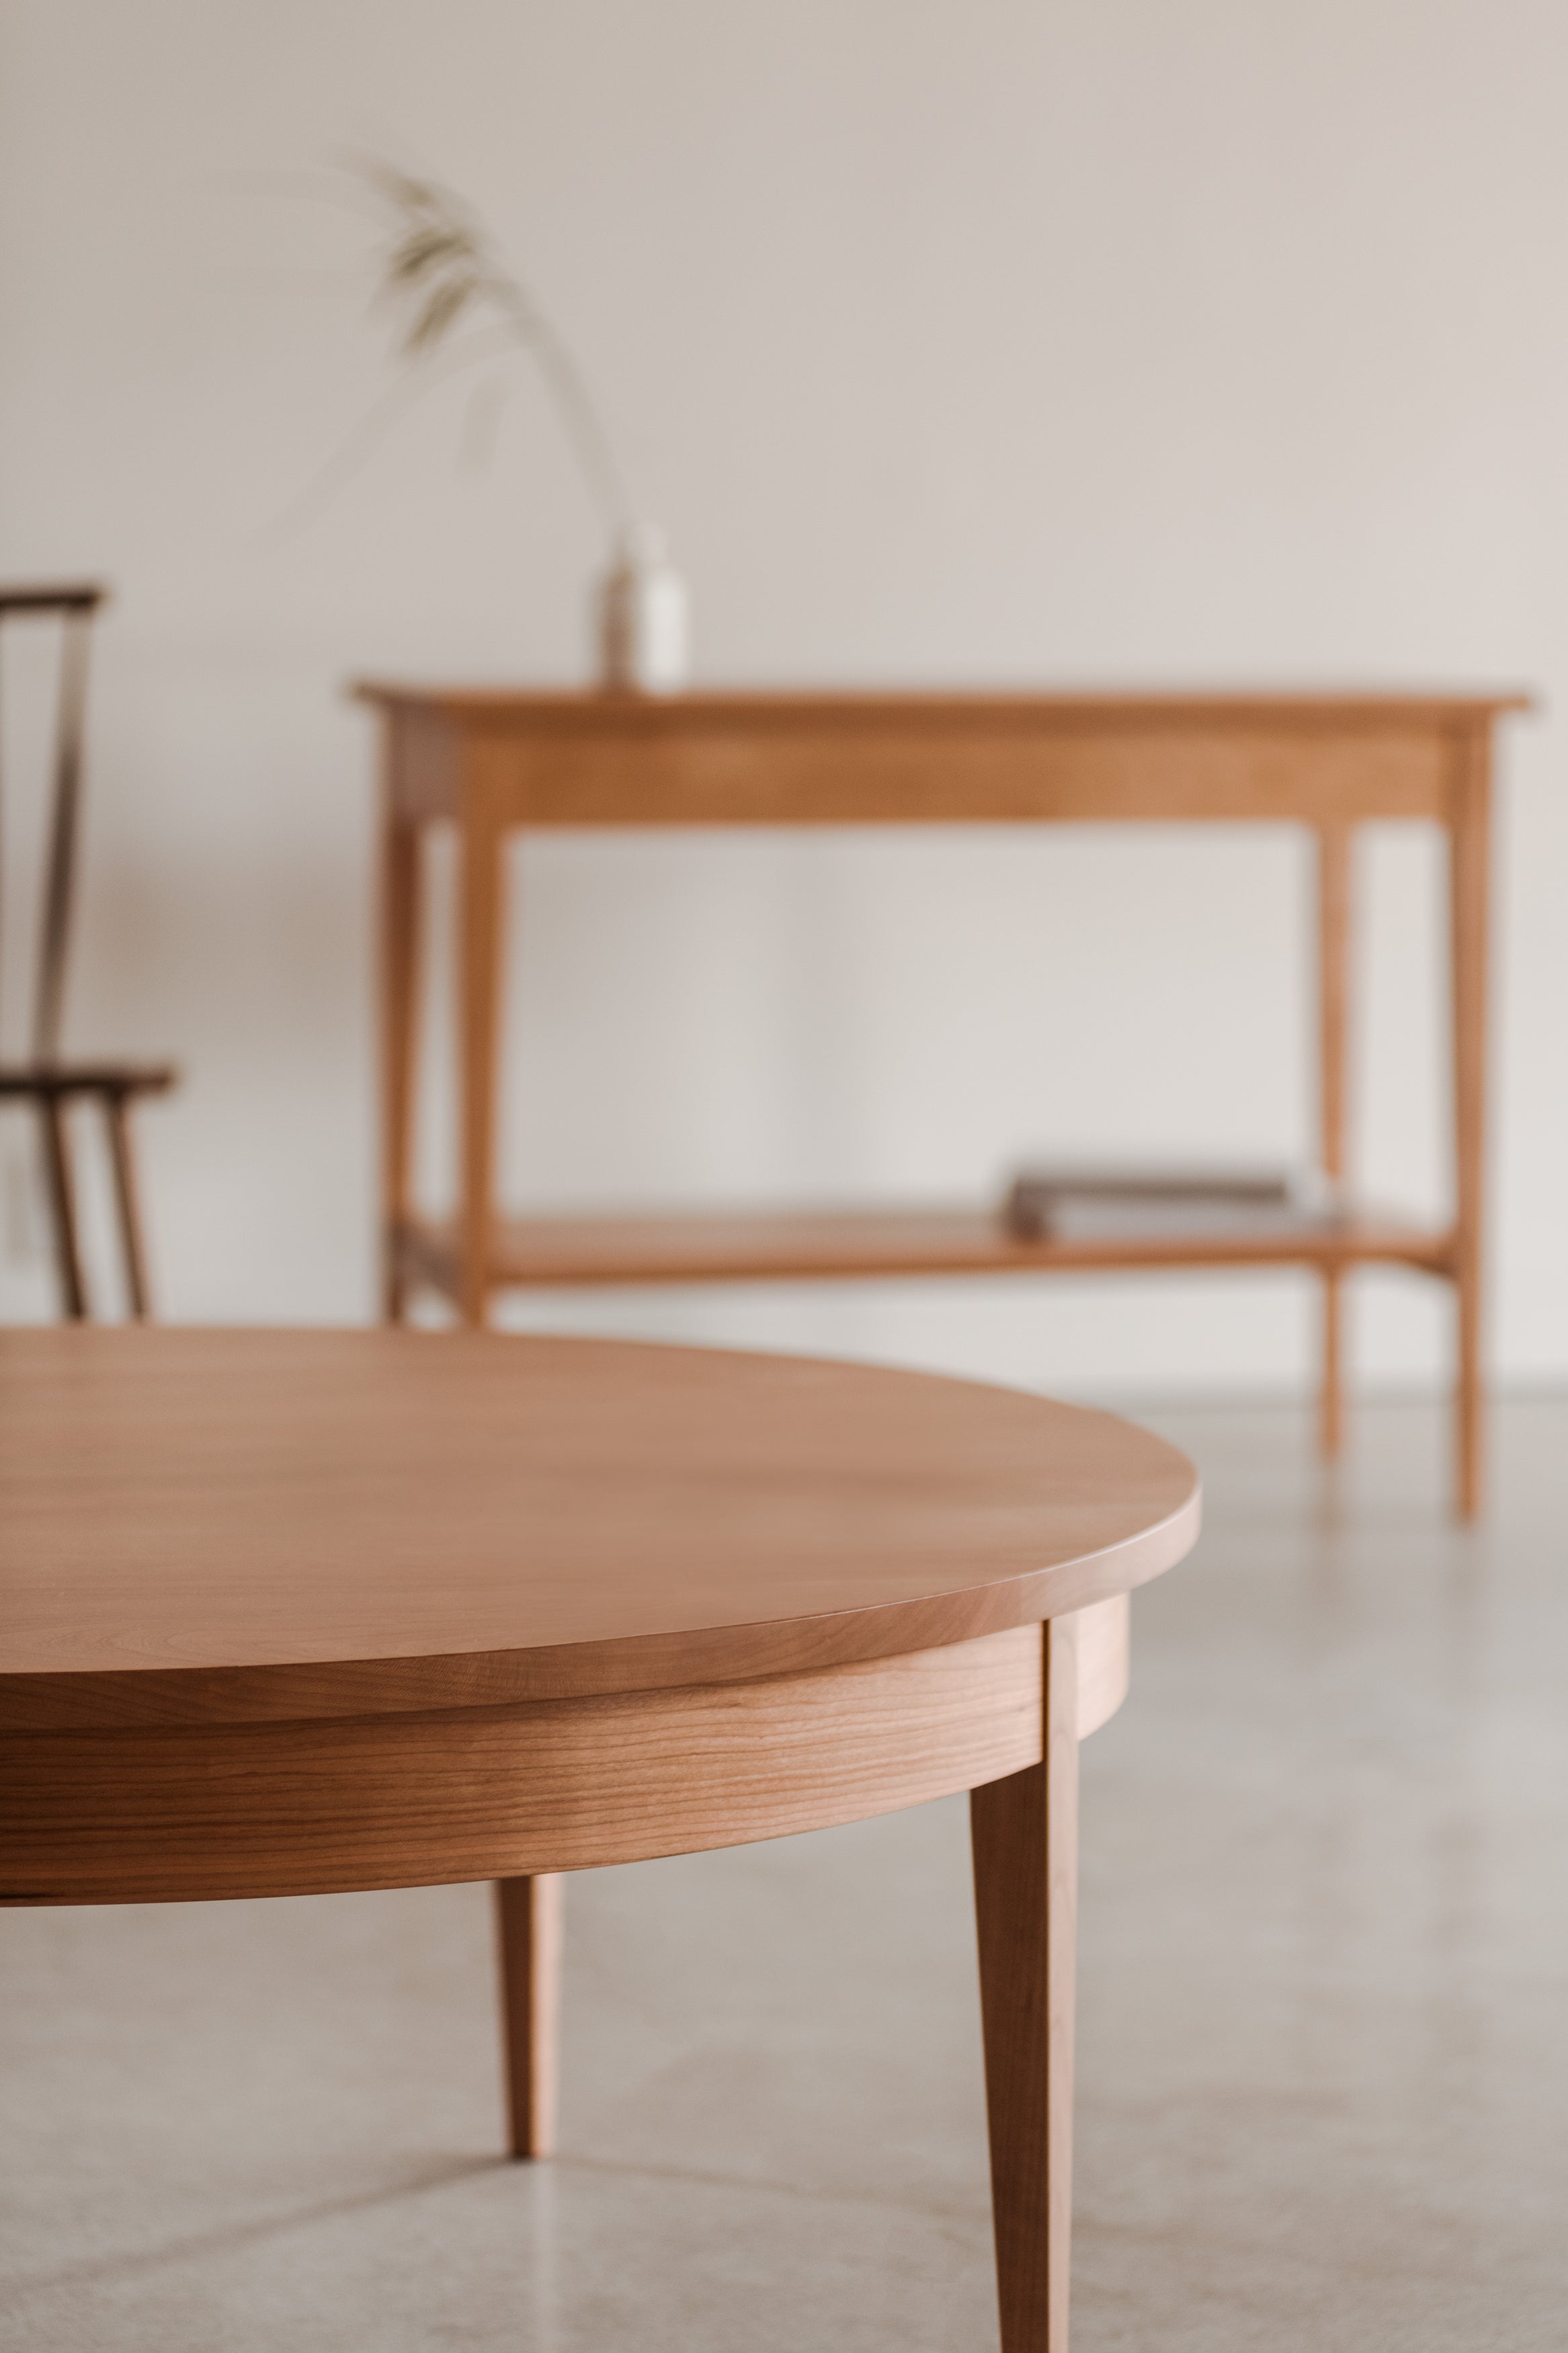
{"x":822,"y":1245}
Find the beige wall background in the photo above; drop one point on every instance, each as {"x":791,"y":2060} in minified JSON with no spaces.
{"x":1100,"y":341}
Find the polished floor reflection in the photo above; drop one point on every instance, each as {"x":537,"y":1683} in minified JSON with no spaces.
{"x":1323,"y":2067}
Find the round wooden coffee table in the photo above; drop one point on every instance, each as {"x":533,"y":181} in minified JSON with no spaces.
{"x":288,"y":1612}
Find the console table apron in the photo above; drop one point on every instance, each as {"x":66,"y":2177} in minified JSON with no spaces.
{"x":494,"y":761}
{"x":285,"y":1613}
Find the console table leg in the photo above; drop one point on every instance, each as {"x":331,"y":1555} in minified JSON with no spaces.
{"x":400,"y":1006}
{"x":528,"y":1924}
{"x":1335,"y":843}
{"x":1024,"y":1831}
{"x":1330,"y":1399}
{"x":479,"y":1042}
{"x":1469,"y":890}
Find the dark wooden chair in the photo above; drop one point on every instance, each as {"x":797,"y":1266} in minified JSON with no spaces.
{"x":47,"y":1079}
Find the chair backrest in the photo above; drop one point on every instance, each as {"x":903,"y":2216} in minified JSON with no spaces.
{"x":74,"y":607}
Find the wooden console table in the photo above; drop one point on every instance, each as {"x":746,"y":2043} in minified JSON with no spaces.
{"x":498,"y":761}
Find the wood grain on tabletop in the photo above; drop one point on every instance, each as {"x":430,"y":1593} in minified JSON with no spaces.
{"x":215,"y":1526}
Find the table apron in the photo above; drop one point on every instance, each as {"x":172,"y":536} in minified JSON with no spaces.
{"x":1111,"y":769}
{"x":315,"y":1807}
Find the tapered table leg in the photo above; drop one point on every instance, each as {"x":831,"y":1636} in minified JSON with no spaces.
{"x":1331,"y":1379}
{"x":1469,"y":892}
{"x":399,"y":1017}
{"x":1333,"y":1056}
{"x":528,"y":1922}
{"x":1025,"y":1835}
{"x":478,"y":1043}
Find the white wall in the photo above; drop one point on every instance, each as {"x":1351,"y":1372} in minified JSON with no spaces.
{"x":1100,"y":341}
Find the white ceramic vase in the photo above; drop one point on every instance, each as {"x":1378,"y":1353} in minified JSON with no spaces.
{"x":644,"y":633}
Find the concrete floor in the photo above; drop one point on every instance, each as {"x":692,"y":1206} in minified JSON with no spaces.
{"x":1323,"y":2067}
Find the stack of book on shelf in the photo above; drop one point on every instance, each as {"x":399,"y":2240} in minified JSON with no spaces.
{"x":1064,"y":1202}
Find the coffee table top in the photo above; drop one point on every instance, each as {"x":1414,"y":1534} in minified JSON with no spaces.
{"x":201,"y":1526}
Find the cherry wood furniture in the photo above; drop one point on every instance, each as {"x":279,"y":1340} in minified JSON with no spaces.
{"x":494,"y":761}
{"x":284,"y":1613}
{"x":45,"y":1079}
